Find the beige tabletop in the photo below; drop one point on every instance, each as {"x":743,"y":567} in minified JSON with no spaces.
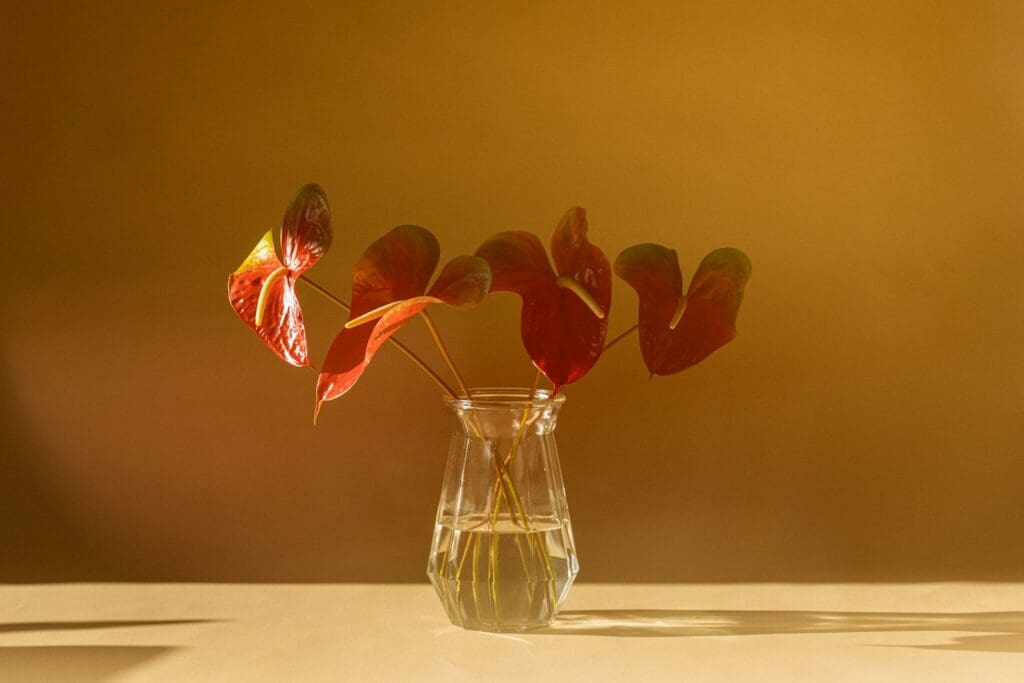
{"x":750,"y":632}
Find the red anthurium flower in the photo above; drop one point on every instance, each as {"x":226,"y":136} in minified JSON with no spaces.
{"x":678,"y":331}
{"x":262,"y":289}
{"x":388,"y":285}
{"x":564,"y":317}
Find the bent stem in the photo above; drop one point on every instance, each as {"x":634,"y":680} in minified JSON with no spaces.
{"x":443,"y":348}
{"x":536,"y":542}
{"x":505,"y":492}
{"x":501,"y":467}
{"x":506,"y":487}
{"x":409,"y":353}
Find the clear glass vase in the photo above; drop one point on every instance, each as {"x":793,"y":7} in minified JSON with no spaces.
{"x":503,"y":556}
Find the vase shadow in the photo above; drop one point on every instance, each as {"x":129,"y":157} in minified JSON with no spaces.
{"x":1002,"y":642}
{"x":1005,"y":629}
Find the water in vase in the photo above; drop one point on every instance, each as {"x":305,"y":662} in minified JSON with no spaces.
{"x":502,"y":574}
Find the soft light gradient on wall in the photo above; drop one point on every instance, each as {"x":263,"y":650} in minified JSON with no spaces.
{"x":866,"y":424}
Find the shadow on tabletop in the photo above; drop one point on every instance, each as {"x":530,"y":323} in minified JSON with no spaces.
{"x":77,"y":663}
{"x":29,"y":626}
{"x":1005,"y":629}
{"x":72,"y":663}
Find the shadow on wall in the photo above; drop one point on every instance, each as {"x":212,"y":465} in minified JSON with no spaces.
{"x":1005,"y":629}
{"x":40,"y":542}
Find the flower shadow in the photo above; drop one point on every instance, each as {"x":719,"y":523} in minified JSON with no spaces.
{"x":79,"y":663}
{"x":1005,"y":629}
{"x":73,"y":663}
{"x":30,"y":626}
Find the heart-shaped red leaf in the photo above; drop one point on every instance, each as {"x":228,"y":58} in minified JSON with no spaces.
{"x":463,"y":282}
{"x":389,"y":281}
{"x":563,"y":334}
{"x":354,"y":348}
{"x":262,"y":289}
{"x":675,"y":332}
{"x":306,"y":232}
{"x":397,"y":266}
{"x":518,"y":262}
{"x":577,"y":258}
{"x":281,"y":327}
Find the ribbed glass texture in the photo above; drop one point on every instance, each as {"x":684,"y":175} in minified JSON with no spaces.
{"x":502,"y":557}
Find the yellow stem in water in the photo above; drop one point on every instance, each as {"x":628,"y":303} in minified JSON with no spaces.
{"x":261,"y":303}
{"x":576,"y":288}
{"x":678,"y":315}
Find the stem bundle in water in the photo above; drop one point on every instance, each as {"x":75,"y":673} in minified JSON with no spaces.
{"x":503,"y":503}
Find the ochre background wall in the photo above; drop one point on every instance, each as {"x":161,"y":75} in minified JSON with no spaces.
{"x":866,"y":424}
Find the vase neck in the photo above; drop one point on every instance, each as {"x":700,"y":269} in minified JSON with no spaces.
{"x":501,"y":413}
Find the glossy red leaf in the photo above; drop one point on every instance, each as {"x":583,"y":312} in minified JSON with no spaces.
{"x":389,"y":281}
{"x":562,"y":334}
{"x":397,"y":266}
{"x":353,"y":349}
{"x":463,"y":282}
{"x":262,"y":289}
{"x":306,"y":231}
{"x":705,"y":320}
{"x":281,"y":328}
{"x":518,"y":262}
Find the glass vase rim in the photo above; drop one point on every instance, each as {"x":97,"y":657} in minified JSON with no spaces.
{"x":500,"y":398}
